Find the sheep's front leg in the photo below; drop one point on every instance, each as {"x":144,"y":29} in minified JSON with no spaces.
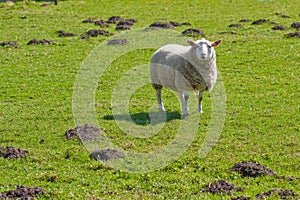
{"x":160,"y":104}
{"x":184,"y":96}
{"x":200,"y":97}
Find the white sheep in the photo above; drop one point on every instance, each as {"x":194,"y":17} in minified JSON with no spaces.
{"x":184,"y":68}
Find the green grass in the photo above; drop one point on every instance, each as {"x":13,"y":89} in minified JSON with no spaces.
{"x":259,"y":67}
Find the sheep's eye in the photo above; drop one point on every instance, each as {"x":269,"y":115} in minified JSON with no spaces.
{"x":209,"y":46}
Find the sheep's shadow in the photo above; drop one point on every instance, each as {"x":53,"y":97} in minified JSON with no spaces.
{"x":144,"y":118}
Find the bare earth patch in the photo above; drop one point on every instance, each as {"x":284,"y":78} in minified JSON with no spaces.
{"x":22,"y":192}
{"x":194,"y":32}
{"x":106,"y":154}
{"x":283,"y":194}
{"x":251,"y":169}
{"x":117,"y":42}
{"x":221,"y":187}
{"x":12,"y":152}
{"x":240,"y":198}
{"x":9,"y":43}
{"x":63,"y":33}
{"x":43,"y":42}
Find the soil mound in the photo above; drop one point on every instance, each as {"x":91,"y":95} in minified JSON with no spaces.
{"x":280,"y":28}
{"x":240,"y":198}
{"x":221,"y":187}
{"x":193,"y":32}
{"x":235,"y":25}
{"x":95,"y":33}
{"x":117,"y":42}
{"x":87,"y":133}
{"x":259,"y":21}
{"x":9,"y":43}
{"x":107,"y":154}
{"x":63,"y":33}
{"x":43,"y":42}
{"x":296,"y":25}
{"x":12,"y":152}
{"x":284,"y":194}
{"x":296,"y":34}
{"x":161,"y":25}
{"x":114,"y":19}
{"x":251,"y":169}
{"x":22,"y":192}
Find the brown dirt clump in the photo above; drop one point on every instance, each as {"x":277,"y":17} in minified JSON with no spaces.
{"x":283,"y":194}
{"x":86,"y":133}
{"x":43,"y":42}
{"x":161,"y":25}
{"x":221,"y":187}
{"x":194,"y":32}
{"x":279,"y":28}
{"x":245,"y":20}
{"x":235,"y":25}
{"x":260,"y":21}
{"x":89,"y":20}
{"x":9,"y":43}
{"x":251,"y":169}
{"x":95,"y":33}
{"x":12,"y":152}
{"x":114,"y":19}
{"x":106,"y":154}
{"x":240,"y":198}
{"x":117,"y":42}
{"x":295,"y":25}
{"x":228,"y":32}
{"x":22,"y":192}
{"x":63,"y":33}
{"x":296,"y":34}
{"x":101,"y":23}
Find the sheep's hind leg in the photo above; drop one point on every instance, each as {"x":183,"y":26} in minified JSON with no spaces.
{"x":184,"y":96}
{"x":200,"y":97}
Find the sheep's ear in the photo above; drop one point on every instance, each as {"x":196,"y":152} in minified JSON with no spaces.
{"x":216,"y":43}
{"x":190,"y":42}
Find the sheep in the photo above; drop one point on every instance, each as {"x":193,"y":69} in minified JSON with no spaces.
{"x":183,"y":69}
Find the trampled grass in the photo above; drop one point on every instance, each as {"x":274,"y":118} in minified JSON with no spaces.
{"x":259,"y":68}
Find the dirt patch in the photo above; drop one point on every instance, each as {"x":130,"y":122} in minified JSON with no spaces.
{"x":240,"y":198}
{"x":12,"y":152}
{"x":9,"y":43}
{"x":245,"y":20}
{"x":193,"y":32}
{"x":89,"y":20}
{"x":282,"y":15}
{"x":85,"y":37}
{"x":284,"y":194}
{"x":295,"y":25}
{"x":43,"y":42}
{"x":95,"y":33}
{"x":235,"y":25}
{"x":101,"y":23}
{"x":279,"y":28}
{"x":251,"y":169}
{"x":296,"y":34}
{"x":22,"y":192}
{"x":260,"y":21}
{"x":86,"y":133}
{"x":125,"y":24}
{"x":221,"y":187}
{"x":114,"y":19}
{"x":117,"y":42}
{"x":63,"y":33}
{"x":228,"y":32}
{"x":106,"y":154}
{"x":161,"y":25}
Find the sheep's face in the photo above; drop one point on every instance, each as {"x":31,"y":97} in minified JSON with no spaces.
{"x":204,"y":48}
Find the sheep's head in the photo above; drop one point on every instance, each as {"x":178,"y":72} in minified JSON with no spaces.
{"x":204,"y":48}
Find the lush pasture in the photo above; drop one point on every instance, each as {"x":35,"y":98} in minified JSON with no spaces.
{"x":260,"y":69}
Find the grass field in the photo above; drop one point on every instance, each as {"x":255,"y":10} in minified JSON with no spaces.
{"x":260,"y":69}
